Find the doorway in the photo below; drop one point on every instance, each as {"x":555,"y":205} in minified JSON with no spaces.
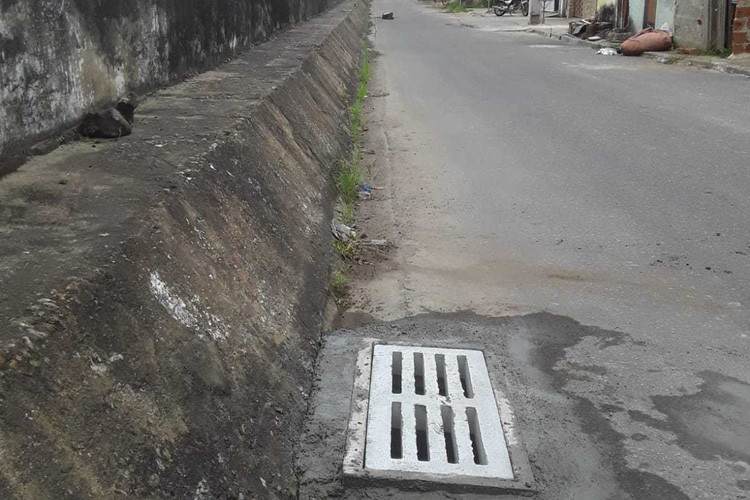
{"x":649,"y":14}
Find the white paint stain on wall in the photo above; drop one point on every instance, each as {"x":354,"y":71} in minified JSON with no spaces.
{"x":189,"y":313}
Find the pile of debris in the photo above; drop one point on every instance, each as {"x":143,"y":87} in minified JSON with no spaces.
{"x":348,"y":234}
{"x":597,"y":30}
{"x":646,"y":40}
{"x":111,"y":123}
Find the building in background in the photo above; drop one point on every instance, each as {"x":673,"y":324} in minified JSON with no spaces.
{"x":704,"y":24}
{"x":741,"y":28}
{"x":582,"y":9}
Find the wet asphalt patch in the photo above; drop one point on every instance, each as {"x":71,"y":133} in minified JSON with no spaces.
{"x":706,"y":423}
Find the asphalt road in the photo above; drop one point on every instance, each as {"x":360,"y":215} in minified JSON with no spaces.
{"x":524,"y":176}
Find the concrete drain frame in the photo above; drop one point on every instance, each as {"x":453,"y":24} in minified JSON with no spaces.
{"x":429,"y":417}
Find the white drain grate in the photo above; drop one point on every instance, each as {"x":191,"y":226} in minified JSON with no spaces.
{"x":433,"y":411}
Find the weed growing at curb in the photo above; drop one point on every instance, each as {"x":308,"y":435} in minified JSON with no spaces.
{"x":456,"y":6}
{"x":356,"y":122}
{"x":346,"y":251}
{"x":715,"y":51}
{"x":349,"y":177}
{"x":339,"y":283}
{"x":347,"y":214}
{"x":355,"y":126}
{"x":364,"y":72}
{"x":348,"y":180}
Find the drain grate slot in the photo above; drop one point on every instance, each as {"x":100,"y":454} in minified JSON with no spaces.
{"x":396,"y":373}
{"x":418,"y":373}
{"x":396,"y":425}
{"x":439,"y":408}
{"x":440,"y":367}
{"x":475,"y":434}
{"x":423,"y":439}
{"x":465,"y":375}
{"x":446,"y":412}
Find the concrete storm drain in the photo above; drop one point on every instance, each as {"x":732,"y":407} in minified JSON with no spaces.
{"x":434,"y":414}
{"x":426,"y":414}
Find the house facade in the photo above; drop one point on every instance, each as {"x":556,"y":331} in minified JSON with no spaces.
{"x":741,"y":29}
{"x":703,"y":24}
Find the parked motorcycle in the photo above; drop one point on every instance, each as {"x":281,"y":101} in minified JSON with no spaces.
{"x":503,"y":6}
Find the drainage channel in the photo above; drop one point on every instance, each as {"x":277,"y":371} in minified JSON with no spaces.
{"x":431,"y":414}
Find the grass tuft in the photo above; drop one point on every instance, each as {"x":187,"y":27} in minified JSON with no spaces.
{"x":346,"y":251}
{"x":364,"y":71}
{"x":339,"y":283}
{"x":349,"y":179}
{"x":715,"y":51}
{"x":356,"y":121}
{"x":456,"y":6}
{"x":348,"y":213}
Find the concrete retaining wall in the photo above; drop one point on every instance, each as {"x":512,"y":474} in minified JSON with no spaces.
{"x":62,"y":58}
{"x":160,"y":295}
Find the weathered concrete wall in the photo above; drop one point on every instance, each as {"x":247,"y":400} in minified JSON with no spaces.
{"x":61,"y":58}
{"x":589,"y":9}
{"x":160,"y":295}
{"x":691,"y":23}
{"x":606,"y":10}
{"x":636,"y":11}
{"x":585,"y":9}
{"x":665,"y":13}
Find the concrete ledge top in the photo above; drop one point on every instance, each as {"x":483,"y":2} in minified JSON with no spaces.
{"x":65,"y":214}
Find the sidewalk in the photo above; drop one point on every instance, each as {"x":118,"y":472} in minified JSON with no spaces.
{"x":486,"y":20}
{"x":734,"y":65}
{"x":557,"y":28}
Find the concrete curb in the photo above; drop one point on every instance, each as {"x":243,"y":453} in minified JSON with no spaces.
{"x":662,"y":57}
{"x":723,"y":67}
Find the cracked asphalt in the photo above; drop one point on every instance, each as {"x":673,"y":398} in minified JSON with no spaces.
{"x":586,"y":217}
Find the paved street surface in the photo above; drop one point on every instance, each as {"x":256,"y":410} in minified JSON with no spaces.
{"x":523,"y":176}
{"x":486,"y":20}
